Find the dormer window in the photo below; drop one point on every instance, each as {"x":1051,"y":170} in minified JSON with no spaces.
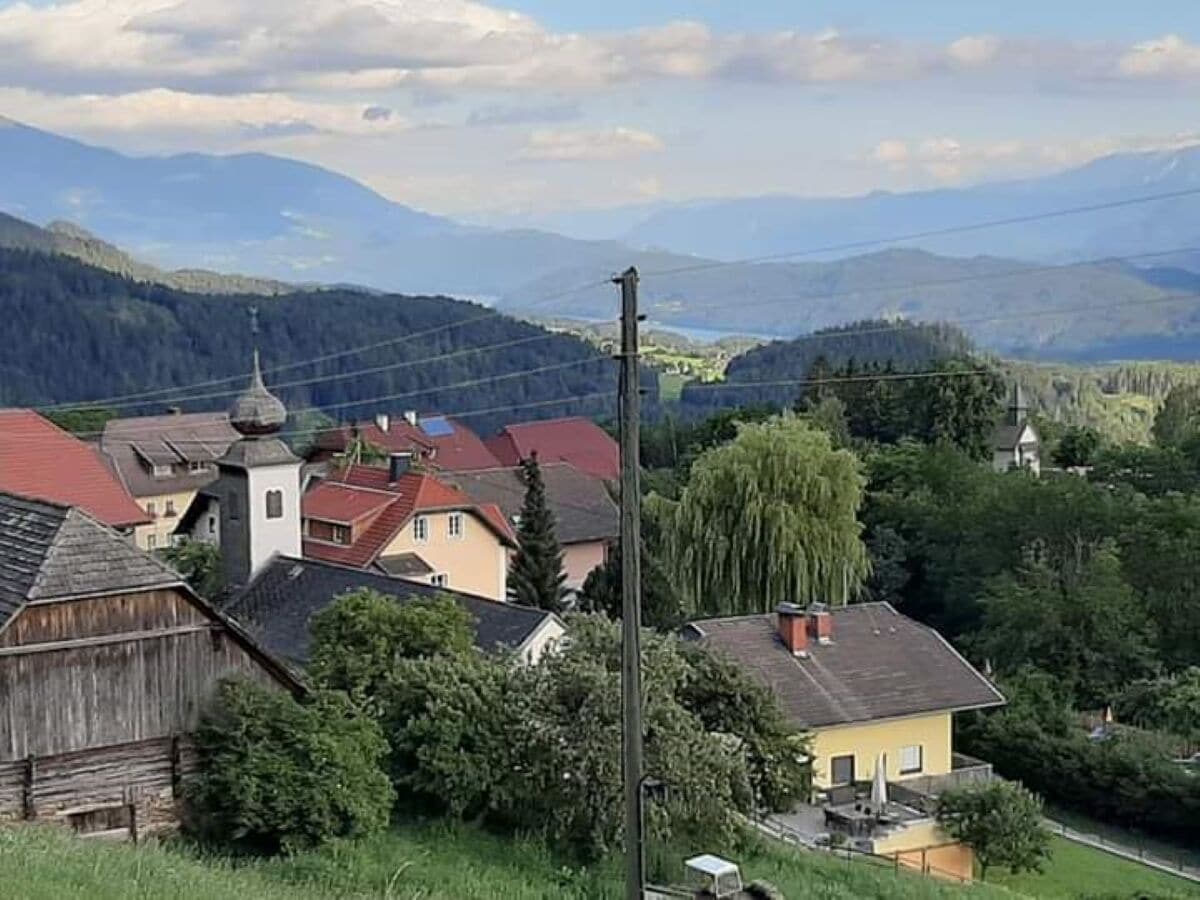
{"x":161,"y":471}
{"x":195,"y":467}
{"x":341,"y":534}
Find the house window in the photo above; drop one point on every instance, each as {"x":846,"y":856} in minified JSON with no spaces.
{"x":170,"y":508}
{"x":162,"y":471}
{"x":912,"y":759}
{"x":456,"y":524}
{"x":341,"y":534}
{"x":151,"y":541}
{"x":421,"y":529}
{"x":439,"y":580}
{"x":151,"y":509}
{"x":212,"y":524}
{"x":274,"y":504}
{"x":841,"y":770}
{"x":196,"y":467}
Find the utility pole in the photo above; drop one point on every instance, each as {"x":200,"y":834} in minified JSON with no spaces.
{"x":631,"y":586}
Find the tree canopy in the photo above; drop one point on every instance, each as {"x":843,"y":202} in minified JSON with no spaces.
{"x":769,"y":517}
{"x":1001,"y":821}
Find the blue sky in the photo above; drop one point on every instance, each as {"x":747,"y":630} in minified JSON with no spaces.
{"x":534,"y":108}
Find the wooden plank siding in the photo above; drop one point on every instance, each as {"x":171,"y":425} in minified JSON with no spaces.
{"x":97,"y":699}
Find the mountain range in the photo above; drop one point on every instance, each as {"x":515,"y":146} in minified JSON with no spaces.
{"x":280,"y":221}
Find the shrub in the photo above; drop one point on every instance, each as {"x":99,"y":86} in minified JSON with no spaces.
{"x":278,"y":774}
{"x":1000,"y":821}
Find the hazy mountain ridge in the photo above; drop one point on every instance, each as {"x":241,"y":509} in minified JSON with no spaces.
{"x":69,"y":239}
{"x":281,"y":221}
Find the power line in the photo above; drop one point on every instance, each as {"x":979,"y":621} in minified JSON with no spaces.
{"x":340,"y":354}
{"x":844,"y":379}
{"x":320,"y":379}
{"x":933,"y":232}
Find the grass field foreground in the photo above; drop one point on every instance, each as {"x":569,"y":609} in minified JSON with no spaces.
{"x":1076,"y":871}
{"x":409,"y":863}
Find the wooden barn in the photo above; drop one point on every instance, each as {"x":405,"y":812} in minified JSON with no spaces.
{"x":106,"y":660}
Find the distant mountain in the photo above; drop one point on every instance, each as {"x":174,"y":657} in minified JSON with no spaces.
{"x":70,"y":240}
{"x":286,"y":222}
{"x":270,"y":217}
{"x":1008,"y":306}
{"x":758,"y":226}
{"x":75,"y":333}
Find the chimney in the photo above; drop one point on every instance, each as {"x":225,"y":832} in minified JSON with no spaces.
{"x":410,"y":416}
{"x":791,"y":623}
{"x":383,"y":422}
{"x":820,"y":623}
{"x":398,"y":464}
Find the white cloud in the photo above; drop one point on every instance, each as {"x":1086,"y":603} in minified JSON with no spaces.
{"x":1169,"y":56}
{"x":948,"y":160}
{"x":589,"y":146}
{"x":160,"y":110}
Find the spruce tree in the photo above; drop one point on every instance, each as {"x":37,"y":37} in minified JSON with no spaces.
{"x":536,"y":577}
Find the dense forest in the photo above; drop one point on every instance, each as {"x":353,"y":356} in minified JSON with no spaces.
{"x":905,"y":346}
{"x":74,"y":333}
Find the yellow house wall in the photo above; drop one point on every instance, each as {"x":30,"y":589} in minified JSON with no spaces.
{"x":868,"y":740}
{"x":475,"y":563}
{"x":927,"y":850}
{"x":163,"y":526}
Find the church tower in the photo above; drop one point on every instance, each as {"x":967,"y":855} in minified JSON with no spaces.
{"x":258,"y":488}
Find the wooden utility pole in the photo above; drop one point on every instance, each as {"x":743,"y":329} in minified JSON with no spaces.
{"x":631,"y":586}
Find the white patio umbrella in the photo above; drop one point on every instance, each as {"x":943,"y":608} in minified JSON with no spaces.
{"x":879,"y":795}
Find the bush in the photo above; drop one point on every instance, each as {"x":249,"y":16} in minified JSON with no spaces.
{"x":357,"y":641}
{"x":1127,"y":779}
{"x":538,"y":748}
{"x":278,"y":774}
{"x":1000,"y":821}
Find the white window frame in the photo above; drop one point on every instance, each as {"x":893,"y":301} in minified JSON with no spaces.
{"x":421,"y":529}
{"x":152,"y":541}
{"x":151,"y":509}
{"x":455,"y":526}
{"x":441,"y":579}
{"x":906,"y":761}
{"x":169,"y":512}
{"x":338,"y":532}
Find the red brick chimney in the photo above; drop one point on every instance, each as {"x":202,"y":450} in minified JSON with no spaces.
{"x":793,"y":627}
{"x":820,"y":624}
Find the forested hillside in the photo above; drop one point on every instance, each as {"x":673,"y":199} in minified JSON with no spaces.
{"x":72,"y":332}
{"x":906,"y":346}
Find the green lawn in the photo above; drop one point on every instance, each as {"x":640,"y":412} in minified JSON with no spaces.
{"x":409,"y":863}
{"x":1076,"y":871}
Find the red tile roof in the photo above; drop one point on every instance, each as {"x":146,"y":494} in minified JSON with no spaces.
{"x":580,"y":442}
{"x":462,"y":450}
{"x":401,"y":437}
{"x":414,"y":492}
{"x":334,"y":502}
{"x":40,"y":460}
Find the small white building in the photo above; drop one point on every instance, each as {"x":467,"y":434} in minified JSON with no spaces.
{"x":1015,"y":442}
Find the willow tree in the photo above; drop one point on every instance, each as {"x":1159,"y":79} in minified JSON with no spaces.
{"x":767,"y":518}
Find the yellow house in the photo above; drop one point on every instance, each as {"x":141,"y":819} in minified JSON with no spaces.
{"x":163,"y":461}
{"x":872,"y":688}
{"x":408,"y":524}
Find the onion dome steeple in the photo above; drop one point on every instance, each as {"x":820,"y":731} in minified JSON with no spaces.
{"x":257,"y":412}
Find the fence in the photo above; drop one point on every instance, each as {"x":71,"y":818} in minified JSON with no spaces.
{"x":1155,"y":860}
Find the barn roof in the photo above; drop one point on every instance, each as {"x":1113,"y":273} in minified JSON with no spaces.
{"x":278,"y":605}
{"x":50,"y":552}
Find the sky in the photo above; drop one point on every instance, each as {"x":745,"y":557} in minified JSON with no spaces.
{"x":517,"y":112}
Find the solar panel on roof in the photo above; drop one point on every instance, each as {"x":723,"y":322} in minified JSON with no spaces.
{"x":437,"y":426}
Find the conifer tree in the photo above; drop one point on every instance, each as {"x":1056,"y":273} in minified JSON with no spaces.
{"x":536,"y":577}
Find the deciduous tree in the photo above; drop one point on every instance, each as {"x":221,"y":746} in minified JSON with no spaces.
{"x":770,"y":517}
{"x":1001,"y":821}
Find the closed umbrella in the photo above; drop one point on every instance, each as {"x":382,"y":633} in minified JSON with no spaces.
{"x":879,"y":795}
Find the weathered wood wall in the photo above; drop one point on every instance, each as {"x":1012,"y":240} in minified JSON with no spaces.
{"x":97,"y":696}
{"x":146,"y":777}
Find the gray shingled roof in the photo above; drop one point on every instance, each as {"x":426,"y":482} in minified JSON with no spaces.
{"x":50,"y":552}
{"x":583,"y":509}
{"x":174,"y":439}
{"x":279,"y":604}
{"x":880,"y":665}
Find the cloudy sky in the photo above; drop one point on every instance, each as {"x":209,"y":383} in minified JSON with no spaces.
{"x":542,"y":105}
